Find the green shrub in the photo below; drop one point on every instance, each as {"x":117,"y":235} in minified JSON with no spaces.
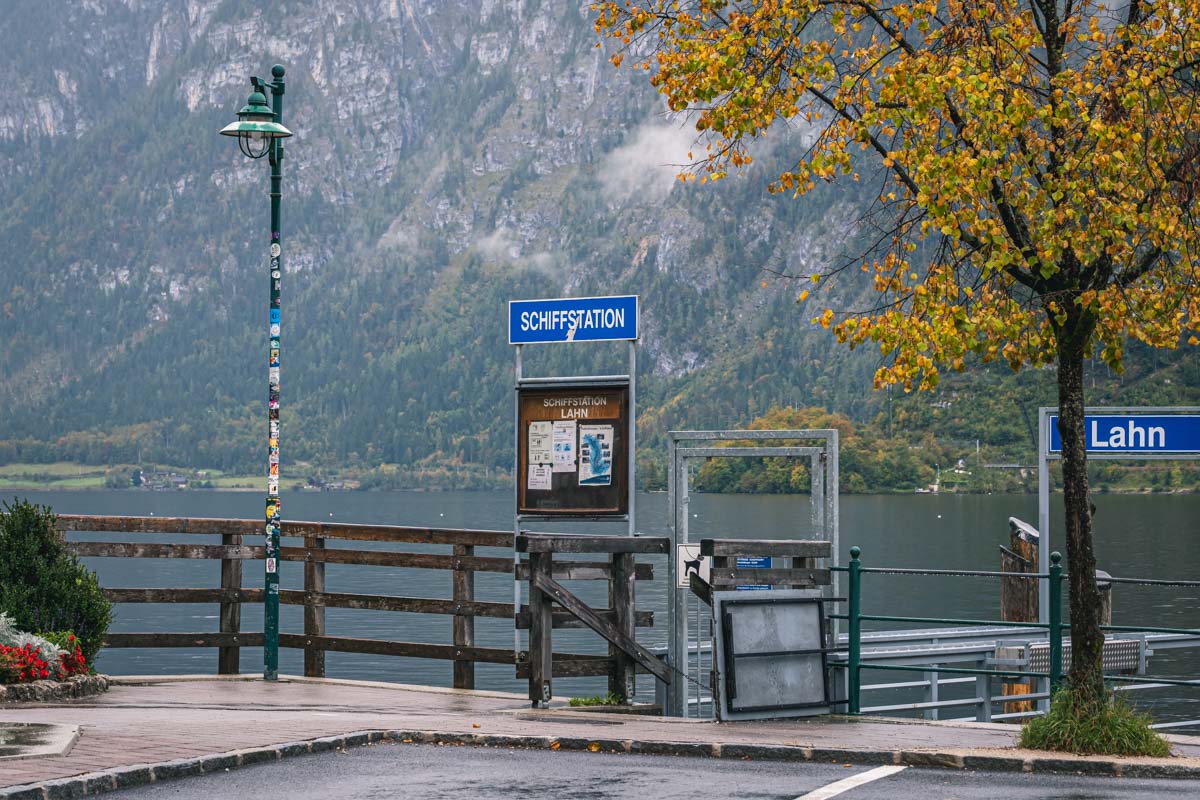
{"x":60,"y":639}
{"x":42,"y":586}
{"x":1103,"y":726}
{"x":608,"y":699}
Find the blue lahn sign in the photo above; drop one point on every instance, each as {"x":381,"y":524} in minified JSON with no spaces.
{"x":1136,"y":433}
{"x":573,"y":319}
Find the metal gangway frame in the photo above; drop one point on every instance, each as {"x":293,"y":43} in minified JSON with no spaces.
{"x":686,"y":446}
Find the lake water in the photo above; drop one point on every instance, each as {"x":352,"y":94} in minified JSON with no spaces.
{"x":1148,"y":536}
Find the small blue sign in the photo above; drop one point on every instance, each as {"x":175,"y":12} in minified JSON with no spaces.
{"x":274,"y":316}
{"x":1135,"y":433}
{"x":753,"y":562}
{"x":573,"y":319}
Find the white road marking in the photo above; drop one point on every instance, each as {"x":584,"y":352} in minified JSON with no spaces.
{"x":845,"y":785}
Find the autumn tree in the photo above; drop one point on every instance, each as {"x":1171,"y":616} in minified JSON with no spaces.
{"x":1046,"y":151}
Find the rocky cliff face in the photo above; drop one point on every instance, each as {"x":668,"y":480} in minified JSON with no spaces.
{"x":445,"y":150}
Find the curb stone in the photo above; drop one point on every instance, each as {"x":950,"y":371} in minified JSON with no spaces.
{"x":141,"y":774}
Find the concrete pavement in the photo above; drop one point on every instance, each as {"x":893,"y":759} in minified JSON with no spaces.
{"x":430,"y":772}
{"x":147,"y":729}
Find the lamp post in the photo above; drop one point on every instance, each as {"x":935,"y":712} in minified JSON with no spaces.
{"x":260,"y":132}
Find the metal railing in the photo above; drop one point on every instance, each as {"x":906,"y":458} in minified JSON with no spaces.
{"x":1056,"y":628}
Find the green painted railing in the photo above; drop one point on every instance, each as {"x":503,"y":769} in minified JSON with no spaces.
{"x":1055,"y":626}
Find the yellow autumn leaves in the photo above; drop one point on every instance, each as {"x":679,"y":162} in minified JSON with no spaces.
{"x":1050,"y":161}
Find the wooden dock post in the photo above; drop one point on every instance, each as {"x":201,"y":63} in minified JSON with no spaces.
{"x":622,"y":682}
{"x":1019,"y":596}
{"x":464,"y":622}
{"x":541,"y":625}
{"x":314,"y":606}
{"x":1104,"y":585}
{"x":229,"y":658}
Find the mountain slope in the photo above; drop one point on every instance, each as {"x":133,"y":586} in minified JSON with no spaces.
{"x":449,"y":156}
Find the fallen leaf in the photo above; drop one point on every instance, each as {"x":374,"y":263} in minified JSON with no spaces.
{"x":593,"y":747}
{"x":475,"y":725}
{"x":555,"y":745}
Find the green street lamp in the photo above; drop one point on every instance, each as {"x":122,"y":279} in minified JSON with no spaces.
{"x":260,"y":132}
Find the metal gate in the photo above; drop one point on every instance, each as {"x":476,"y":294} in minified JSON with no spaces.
{"x":690,"y":625}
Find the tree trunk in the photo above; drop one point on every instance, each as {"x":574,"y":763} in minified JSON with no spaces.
{"x":1087,"y":640}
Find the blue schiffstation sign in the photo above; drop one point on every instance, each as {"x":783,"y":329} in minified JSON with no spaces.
{"x":573,"y":319}
{"x":1135,"y":433}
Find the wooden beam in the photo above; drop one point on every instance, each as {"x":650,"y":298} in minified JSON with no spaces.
{"x":142,"y":550}
{"x":243,"y":639}
{"x":448,"y":652}
{"x":397,"y":533}
{"x":796,"y":548}
{"x":601,"y":626}
{"x":314,"y":612}
{"x":565,"y":620}
{"x":541,"y":628}
{"x":700,"y":587}
{"x":463,"y":626}
{"x":390,"y":558}
{"x":250,"y":527}
{"x":229,"y":658}
{"x":131,"y":595}
{"x":190,"y":525}
{"x":622,"y":682}
{"x":720,"y":577}
{"x":586,"y":571}
{"x":586,"y":543}
{"x":415,"y":605}
{"x":568,"y":666}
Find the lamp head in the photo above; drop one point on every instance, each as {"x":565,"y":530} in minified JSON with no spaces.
{"x":256,"y":127}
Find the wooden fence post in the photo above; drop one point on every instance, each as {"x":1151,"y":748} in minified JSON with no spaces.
{"x":464,"y":622}
{"x":229,"y":658}
{"x":1019,"y":597}
{"x":541,"y":625}
{"x":623,"y":679}
{"x":314,"y":607}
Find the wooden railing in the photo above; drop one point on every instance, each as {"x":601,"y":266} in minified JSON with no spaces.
{"x":461,"y":560}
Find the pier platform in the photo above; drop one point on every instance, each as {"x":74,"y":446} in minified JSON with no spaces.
{"x":147,"y":729}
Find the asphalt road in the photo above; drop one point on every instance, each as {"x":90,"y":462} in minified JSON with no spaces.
{"x":475,"y":773}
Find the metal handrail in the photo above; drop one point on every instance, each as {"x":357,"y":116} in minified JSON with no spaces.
{"x":1055,"y":629}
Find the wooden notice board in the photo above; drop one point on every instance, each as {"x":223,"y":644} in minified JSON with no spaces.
{"x":573,"y":450}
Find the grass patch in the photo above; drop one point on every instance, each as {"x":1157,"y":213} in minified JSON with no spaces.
{"x":238,"y":482}
{"x":608,"y":699}
{"x":86,"y":482}
{"x":1105,"y":726}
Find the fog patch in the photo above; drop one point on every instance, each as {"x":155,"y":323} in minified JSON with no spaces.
{"x":648,"y":163}
{"x":501,"y":248}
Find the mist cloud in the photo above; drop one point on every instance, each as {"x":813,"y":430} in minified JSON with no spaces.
{"x":648,"y":163}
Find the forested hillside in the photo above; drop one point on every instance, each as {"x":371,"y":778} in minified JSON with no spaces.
{"x":448,"y":157}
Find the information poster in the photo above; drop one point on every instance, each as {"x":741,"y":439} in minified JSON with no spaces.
{"x":595,"y":455}
{"x":540,"y":477}
{"x":540,"y":451}
{"x":564,"y":445}
{"x":573,"y":448}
